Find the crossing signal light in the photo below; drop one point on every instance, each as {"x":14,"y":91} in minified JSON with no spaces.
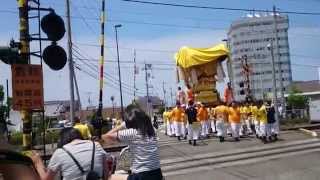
{"x":55,"y":57}
{"x":53,"y":26}
{"x":10,"y":54}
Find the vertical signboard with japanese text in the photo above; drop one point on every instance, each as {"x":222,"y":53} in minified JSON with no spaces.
{"x":27,"y":87}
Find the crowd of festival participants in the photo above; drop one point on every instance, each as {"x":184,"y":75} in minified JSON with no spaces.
{"x":229,"y":119}
{"x":78,"y":157}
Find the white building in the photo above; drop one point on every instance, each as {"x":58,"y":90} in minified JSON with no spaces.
{"x":251,"y":36}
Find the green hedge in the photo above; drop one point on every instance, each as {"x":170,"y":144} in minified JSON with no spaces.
{"x":51,"y":137}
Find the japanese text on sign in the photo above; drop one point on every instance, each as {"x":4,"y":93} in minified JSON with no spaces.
{"x":27,"y":87}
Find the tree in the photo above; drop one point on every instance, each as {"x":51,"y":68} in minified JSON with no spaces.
{"x":4,"y":112}
{"x":295,"y":100}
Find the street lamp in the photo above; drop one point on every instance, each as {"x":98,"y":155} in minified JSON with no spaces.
{"x":119,"y":72}
{"x":274,"y":99}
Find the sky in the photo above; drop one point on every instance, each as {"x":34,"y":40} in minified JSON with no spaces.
{"x":156,"y":33}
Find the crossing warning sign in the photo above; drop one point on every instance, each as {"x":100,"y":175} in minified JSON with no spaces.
{"x":27,"y":87}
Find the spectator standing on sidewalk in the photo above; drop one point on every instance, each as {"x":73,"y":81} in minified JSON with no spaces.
{"x":138,"y":132}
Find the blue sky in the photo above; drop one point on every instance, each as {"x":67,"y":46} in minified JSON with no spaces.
{"x":156,"y":32}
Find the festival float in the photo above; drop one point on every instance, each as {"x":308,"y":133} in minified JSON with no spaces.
{"x":201,"y":68}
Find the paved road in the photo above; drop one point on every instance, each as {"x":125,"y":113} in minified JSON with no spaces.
{"x":306,"y":167}
{"x":295,"y":156}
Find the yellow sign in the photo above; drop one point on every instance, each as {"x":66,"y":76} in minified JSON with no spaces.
{"x":27,"y":87}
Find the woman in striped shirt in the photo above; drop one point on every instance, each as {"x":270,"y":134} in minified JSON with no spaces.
{"x":137,"y":131}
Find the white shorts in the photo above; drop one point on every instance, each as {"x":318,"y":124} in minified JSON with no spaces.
{"x":204,"y":128}
{"x":221,"y":129}
{"x":257,"y":126}
{"x":235,"y":127}
{"x":263,"y":129}
{"x":178,"y":128}
{"x":194,"y":131}
{"x":213,"y":125}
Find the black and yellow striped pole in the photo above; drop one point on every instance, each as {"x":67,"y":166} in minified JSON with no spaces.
{"x":26,"y":115}
{"x":99,"y":113}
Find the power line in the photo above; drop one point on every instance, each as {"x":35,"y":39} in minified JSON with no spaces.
{"x":129,"y":62}
{"x":96,"y":68}
{"x":221,"y":8}
{"x":85,"y":22}
{"x":106,"y":75}
{"x":111,"y":80}
{"x":170,"y":51}
{"x":128,"y":48}
{"x":93,"y":76}
{"x":113,"y":85}
{"x":169,"y":25}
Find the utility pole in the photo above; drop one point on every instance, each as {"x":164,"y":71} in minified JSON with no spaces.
{"x":119,"y":71}
{"x":78,"y":94}
{"x":282,"y":100}
{"x":147,"y":86}
{"x":164,"y":95}
{"x":100,"y":105}
{"x":171,"y":94}
{"x":89,"y":98}
{"x":26,"y":115}
{"x":274,"y":82}
{"x":70,"y":59}
{"x":134,"y":75}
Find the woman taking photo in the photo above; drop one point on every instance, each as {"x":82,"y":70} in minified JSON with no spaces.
{"x":137,"y":131}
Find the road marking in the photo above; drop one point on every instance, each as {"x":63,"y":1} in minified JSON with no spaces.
{"x":309,"y":132}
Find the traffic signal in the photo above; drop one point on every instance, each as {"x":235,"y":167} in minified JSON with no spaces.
{"x":53,"y":55}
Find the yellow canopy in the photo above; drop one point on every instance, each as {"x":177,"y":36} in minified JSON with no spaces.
{"x":187,"y":57}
